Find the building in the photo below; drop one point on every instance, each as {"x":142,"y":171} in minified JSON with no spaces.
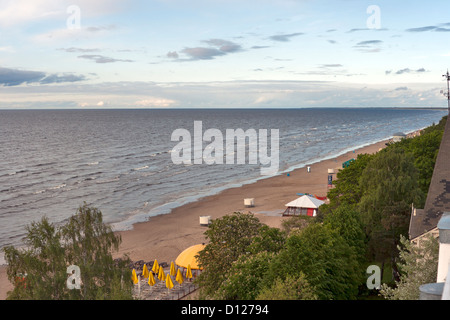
{"x":304,"y":206}
{"x":425,"y":221}
{"x":398,"y":136}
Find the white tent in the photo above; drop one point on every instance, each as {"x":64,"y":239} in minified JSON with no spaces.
{"x":305,"y":205}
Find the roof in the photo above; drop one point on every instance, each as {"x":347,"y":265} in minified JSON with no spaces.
{"x":438,"y":198}
{"x":187,"y":257}
{"x":305,"y":202}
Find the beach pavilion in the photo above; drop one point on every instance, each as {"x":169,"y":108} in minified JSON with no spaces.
{"x":306,"y":205}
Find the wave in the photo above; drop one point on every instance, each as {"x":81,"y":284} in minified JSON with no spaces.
{"x":51,"y":188}
{"x":140,"y":168}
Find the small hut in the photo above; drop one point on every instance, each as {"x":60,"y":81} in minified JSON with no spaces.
{"x":303,"y":206}
{"x":398,"y":136}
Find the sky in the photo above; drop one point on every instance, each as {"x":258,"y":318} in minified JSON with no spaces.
{"x":223,"y":53}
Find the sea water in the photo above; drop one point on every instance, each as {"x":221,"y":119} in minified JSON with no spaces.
{"x":52,"y":161}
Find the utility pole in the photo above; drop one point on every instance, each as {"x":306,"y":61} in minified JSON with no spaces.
{"x":447,"y":94}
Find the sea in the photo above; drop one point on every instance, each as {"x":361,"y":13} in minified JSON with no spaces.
{"x":120,"y":160}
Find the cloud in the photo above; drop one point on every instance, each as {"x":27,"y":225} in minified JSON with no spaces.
{"x":260,"y":47}
{"x":285,"y":37}
{"x":406,"y":71}
{"x":430,"y":28}
{"x":218,"y":47}
{"x":15,"y":77}
{"x":200,"y":53}
{"x":334,"y":65}
{"x":154,"y":103}
{"x":401,"y":88}
{"x":366,"y":29}
{"x":55,"y":78}
{"x":102,"y":59}
{"x":369,"y":46}
{"x":224,"y":45}
{"x":172,"y":54}
{"x":421,"y":29}
{"x":73,"y":49}
{"x":18,"y":12}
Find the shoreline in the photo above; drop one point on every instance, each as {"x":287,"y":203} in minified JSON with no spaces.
{"x":164,"y":236}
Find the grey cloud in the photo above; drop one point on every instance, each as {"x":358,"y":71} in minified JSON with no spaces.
{"x":366,"y":29}
{"x":97,"y":29}
{"x":431,"y":28}
{"x":421,"y":29}
{"x":405,"y":71}
{"x":102,"y":59}
{"x":285,"y":37}
{"x":369,"y":46}
{"x":55,"y":78}
{"x":260,"y":47}
{"x":332,"y":41}
{"x":401,"y":88}
{"x":200,"y":53}
{"x":73,"y":49}
{"x":172,"y":54}
{"x":224,"y":45}
{"x":369,"y":43}
{"x":442,"y":30}
{"x":334,"y":65}
{"x":15,"y":77}
{"x":219,"y":47}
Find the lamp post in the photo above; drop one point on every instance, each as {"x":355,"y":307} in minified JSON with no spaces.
{"x":447,"y":94}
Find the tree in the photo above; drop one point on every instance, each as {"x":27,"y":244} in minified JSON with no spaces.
{"x":419,"y":264}
{"x":389,"y":185}
{"x":228,"y":238}
{"x":86,"y":242}
{"x":245,"y":277}
{"x":346,"y":221}
{"x":324,"y":257}
{"x":291,"y":288}
{"x":347,"y":190}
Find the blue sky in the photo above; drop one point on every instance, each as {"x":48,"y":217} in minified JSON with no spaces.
{"x":223,"y":53}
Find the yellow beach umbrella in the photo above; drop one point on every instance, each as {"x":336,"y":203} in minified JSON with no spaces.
{"x":161,"y":275}
{"x":179,"y":277}
{"x":169,"y":283}
{"x":155,"y":267}
{"x":151,"y":279}
{"x":173,"y":271}
{"x":134,"y":277}
{"x":145,"y":271}
{"x":189,"y":272}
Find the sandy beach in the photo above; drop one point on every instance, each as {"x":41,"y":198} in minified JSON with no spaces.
{"x":165,"y":236}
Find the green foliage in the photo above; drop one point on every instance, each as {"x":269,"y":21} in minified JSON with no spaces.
{"x":228,"y":238}
{"x":245,"y":277}
{"x":346,"y":221}
{"x":418,"y":266}
{"x":389,"y":184}
{"x":347,"y":190}
{"x":424,"y":149}
{"x":291,"y":288}
{"x":296,"y":223}
{"x":85,"y":242}
{"x":324,"y":257}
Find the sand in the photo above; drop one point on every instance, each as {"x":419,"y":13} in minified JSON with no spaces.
{"x":165,"y":236}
